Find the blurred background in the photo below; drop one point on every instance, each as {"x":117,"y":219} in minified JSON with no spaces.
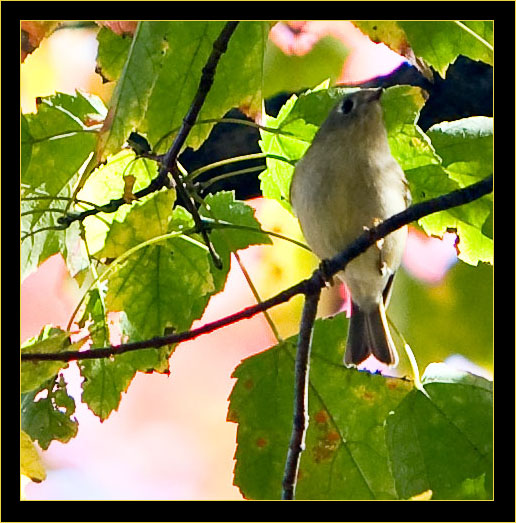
{"x":170,"y":438}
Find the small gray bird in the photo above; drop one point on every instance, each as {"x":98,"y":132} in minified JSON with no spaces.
{"x":346,"y":182}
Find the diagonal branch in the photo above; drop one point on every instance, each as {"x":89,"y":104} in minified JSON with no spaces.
{"x":308,"y":286}
{"x":169,"y":161}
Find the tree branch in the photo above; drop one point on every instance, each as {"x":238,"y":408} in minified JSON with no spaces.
{"x":308,"y":286}
{"x":302,"y":363}
{"x":301,"y":372}
{"x":169,"y":160}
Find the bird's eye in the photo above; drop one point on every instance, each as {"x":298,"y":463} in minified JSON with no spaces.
{"x":347,"y":106}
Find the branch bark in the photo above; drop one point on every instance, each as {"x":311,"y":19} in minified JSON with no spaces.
{"x":301,"y":372}
{"x":308,"y":286}
{"x":168,"y":163}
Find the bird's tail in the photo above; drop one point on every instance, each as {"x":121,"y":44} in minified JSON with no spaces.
{"x":369,"y":334}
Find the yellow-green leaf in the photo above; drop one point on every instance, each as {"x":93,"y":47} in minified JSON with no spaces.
{"x":30,"y":462}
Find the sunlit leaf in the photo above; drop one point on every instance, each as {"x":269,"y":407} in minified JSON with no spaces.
{"x":223,"y":206}
{"x":30,"y":462}
{"x":107,"y":183}
{"x":112,"y":53}
{"x":188,"y":46}
{"x":34,"y":373}
{"x":130,"y":98}
{"x":436,"y":442}
{"x":291,"y":73}
{"x":56,"y":142}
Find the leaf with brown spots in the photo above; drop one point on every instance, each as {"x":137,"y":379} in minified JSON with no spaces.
{"x":346,"y":456}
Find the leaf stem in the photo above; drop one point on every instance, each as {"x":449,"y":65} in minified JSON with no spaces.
{"x":257,"y":297}
{"x":126,"y":255}
{"x":228,"y":161}
{"x":474,"y":35}
{"x":220,"y":224}
{"x":49,"y":228}
{"x":194,"y":174}
{"x":239,"y":172}
{"x":411,"y":357}
{"x":238,"y":121}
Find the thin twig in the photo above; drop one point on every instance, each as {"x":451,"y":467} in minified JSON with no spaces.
{"x":170,"y":158}
{"x":257,"y":297}
{"x":301,"y":373}
{"x":238,"y":121}
{"x":113,"y":205}
{"x":338,"y":262}
{"x":169,"y":161}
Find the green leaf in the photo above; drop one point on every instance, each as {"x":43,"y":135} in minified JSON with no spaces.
{"x":300,"y":117}
{"x":159,"y":284}
{"x":112,"y":53}
{"x":49,"y":418}
{"x":56,"y":142}
{"x":88,"y":108}
{"x":130,"y":98}
{"x":158,"y":287}
{"x":291,"y":73}
{"x":466,"y":148}
{"x":346,"y":456}
{"x":59,"y":124}
{"x":144,"y":221}
{"x":104,"y":381}
{"x":189,"y":46}
{"x":222,"y":206}
{"x":370,"y":436}
{"x":452,"y":326}
{"x":26,"y":145}
{"x":438,"y":43}
{"x":409,"y":144}
{"x":95,"y":314}
{"x":438,"y":442}
{"x":34,"y":373}
{"x":388,"y":32}
{"x":30,"y":462}
{"x":107,"y":183}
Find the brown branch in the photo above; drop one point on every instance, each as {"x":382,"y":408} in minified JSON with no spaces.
{"x":161,"y":341}
{"x":170,"y":158}
{"x":304,"y":341}
{"x":301,"y":372}
{"x":308,"y":286}
{"x":208,"y":74}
